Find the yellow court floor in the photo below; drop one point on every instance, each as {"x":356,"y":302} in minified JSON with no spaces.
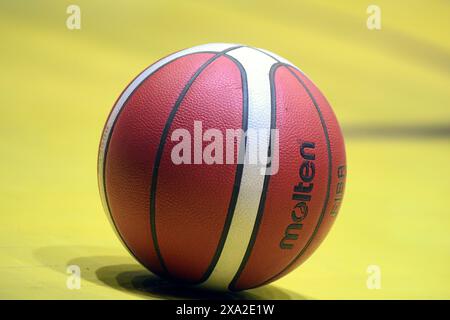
{"x":389,"y":88}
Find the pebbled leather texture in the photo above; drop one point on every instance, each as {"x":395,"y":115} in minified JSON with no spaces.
{"x":224,"y":223}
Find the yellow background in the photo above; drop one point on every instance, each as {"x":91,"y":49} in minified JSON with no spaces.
{"x":389,"y":88}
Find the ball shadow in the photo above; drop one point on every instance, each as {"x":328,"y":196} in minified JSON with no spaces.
{"x":143,"y":283}
{"x":121,"y":273}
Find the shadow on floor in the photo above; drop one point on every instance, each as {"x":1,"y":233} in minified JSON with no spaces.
{"x":122,"y":273}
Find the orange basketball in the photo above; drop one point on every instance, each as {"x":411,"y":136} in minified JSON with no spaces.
{"x":192,"y":204}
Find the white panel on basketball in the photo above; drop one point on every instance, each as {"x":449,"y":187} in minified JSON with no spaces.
{"x":274,"y":55}
{"x":212,"y":47}
{"x":283,"y":60}
{"x":257,"y":66}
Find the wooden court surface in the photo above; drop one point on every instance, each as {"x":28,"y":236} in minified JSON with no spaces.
{"x":389,"y":89}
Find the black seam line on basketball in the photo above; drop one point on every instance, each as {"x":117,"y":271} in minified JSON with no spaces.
{"x":327,"y":196}
{"x":262,"y":201}
{"x":330,"y":162}
{"x":278,"y":60}
{"x":160,"y":151}
{"x":238,"y":174}
{"x":267,"y":54}
{"x":111,"y":132}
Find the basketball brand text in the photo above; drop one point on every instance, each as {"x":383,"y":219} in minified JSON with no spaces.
{"x":301,"y":195}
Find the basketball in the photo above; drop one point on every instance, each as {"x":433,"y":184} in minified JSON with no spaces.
{"x":222,"y":166}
